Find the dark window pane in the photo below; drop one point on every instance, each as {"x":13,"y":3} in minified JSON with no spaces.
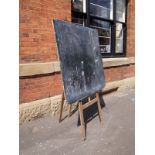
{"x":102,"y":8}
{"x":79,"y":5}
{"x":79,"y":18}
{"x":120,"y":10}
{"x":104,"y":41}
{"x":104,"y":32}
{"x":119,"y":38}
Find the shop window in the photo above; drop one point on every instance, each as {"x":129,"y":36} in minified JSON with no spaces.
{"x":108,"y":17}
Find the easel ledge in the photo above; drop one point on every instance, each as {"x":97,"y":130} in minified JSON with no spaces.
{"x":81,"y":107}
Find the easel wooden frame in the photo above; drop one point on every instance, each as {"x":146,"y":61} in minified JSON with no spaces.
{"x":81,"y":107}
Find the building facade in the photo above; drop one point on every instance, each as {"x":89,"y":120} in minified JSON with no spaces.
{"x":40,"y":76}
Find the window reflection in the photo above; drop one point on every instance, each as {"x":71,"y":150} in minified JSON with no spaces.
{"x":102,"y":8}
{"x":104,"y":32}
{"x":120,"y":10}
{"x":79,"y":5}
{"x":119,"y":38}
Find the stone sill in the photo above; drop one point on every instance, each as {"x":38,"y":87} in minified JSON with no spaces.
{"x":114,"y":62}
{"x":32,"y":69}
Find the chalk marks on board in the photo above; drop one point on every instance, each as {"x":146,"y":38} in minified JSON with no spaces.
{"x":80,"y":60}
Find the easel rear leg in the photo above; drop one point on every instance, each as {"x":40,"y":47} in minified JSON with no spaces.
{"x":99,"y":107}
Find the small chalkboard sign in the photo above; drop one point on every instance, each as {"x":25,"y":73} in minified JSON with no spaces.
{"x":80,"y":60}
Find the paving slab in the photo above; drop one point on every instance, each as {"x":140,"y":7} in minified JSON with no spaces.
{"x":116,"y":136}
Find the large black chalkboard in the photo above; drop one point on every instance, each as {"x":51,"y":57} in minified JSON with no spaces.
{"x":80,"y":60}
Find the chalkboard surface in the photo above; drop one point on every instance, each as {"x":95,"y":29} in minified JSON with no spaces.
{"x":80,"y":60}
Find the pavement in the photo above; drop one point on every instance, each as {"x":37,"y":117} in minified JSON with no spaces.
{"x":115,"y":136}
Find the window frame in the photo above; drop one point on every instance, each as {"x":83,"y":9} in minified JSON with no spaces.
{"x":112,"y":22}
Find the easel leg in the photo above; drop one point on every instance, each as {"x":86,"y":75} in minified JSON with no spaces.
{"x":70,"y":108}
{"x":82,"y":121}
{"x":99,"y":106}
{"x":61,"y":106}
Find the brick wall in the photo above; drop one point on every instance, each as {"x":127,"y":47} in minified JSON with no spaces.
{"x":131,"y":28}
{"x":119,"y":73}
{"x":37,"y":40}
{"x":40,"y":87}
{"x":37,"y":44}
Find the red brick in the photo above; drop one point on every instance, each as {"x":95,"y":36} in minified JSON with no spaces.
{"x":119,"y":73}
{"x":36,"y":24}
{"x":131,"y":28}
{"x":40,"y":87}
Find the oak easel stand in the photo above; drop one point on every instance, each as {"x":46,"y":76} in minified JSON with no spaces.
{"x":81,"y":107}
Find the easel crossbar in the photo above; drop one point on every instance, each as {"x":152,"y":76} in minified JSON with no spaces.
{"x":89,"y":103}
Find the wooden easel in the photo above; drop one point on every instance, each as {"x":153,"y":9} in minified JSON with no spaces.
{"x":81,"y":107}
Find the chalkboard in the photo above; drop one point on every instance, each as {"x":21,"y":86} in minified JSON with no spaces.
{"x":80,"y":60}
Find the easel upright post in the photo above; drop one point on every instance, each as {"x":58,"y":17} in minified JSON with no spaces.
{"x":70,"y":109}
{"x":82,"y":123}
{"x":61,"y":106}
